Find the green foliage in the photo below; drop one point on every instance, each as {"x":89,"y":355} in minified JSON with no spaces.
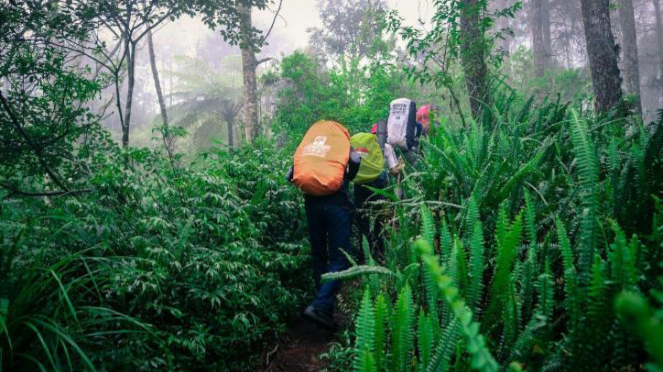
{"x":189,"y":255}
{"x":635,"y":313}
{"x":364,"y":361}
{"x":520,"y":211}
{"x":310,"y":92}
{"x":520,"y":229}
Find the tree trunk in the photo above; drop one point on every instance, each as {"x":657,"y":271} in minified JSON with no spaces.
{"x":473,"y":49}
{"x":249,"y":74}
{"x":536,"y":24}
{"x":547,"y":38}
{"x":601,"y":53}
{"x":506,"y":40}
{"x":155,"y":76}
{"x":231,"y":142}
{"x":167,"y":138}
{"x":630,"y":52}
{"x":131,"y":69}
{"x":659,"y":40}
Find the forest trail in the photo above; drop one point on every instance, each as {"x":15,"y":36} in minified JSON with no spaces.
{"x":299,"y":350}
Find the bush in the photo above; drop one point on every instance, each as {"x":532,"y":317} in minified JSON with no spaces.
{"x":196,"y":262}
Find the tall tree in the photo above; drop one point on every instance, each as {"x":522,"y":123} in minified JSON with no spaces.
{"x":547,"y":34}
{"x":505,"y":41}
{"x":659,"y":40}
{"x":129,"y":21}
{"x":473,"y":52}
{"x":631,"y":64}
{"x":602,"y":54}
{"x":249,"y":66}
{"x":348,"y":28}
{"x":536,"y":24}
{"x":168,"y":140}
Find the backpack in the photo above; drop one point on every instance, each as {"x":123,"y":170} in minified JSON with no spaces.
{"x":321,"y":159}
{"x":401,"y":124}
{"x":372,"y":160}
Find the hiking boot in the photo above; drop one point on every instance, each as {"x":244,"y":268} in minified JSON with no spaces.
{"x":320,"y":317}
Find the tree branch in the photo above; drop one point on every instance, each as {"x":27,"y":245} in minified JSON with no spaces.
{"x":28,"y":140}
{"x":33,"y":194}
{"x":258,"y":63}
{"x":273,"y":22}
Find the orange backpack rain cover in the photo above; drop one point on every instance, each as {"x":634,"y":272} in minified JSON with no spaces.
{"x":321,"y":158}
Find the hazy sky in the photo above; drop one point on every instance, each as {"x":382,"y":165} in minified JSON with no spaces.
{"x":298,"y":15}
{"x":290,"y":29}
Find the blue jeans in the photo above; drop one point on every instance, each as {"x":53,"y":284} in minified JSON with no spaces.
{"x":329,"y":231}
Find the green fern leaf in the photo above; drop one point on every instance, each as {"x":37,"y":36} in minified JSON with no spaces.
{"x":355,"y":272}
{"x":481,"y":358}
{"x":475,"y":286}
{"x":444,"y":349}
{"x":381,"y":318}
{"x":572,"y":299}
{"x":365,"y":324}
{"x":401,"y":329}
{"x":508,"y":241}
{"x":446,"y":242}
{"x":622,"y":260}
{"x":365,"y":362}
{"x":588,"y":174}
{"x":428,"y":225}
{"x":424,"y":337}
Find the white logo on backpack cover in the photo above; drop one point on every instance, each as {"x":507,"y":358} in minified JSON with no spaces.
{"x":317,"y":148}
{"x":399,"y":110}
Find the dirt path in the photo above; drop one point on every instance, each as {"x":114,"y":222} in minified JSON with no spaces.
{"x":299,"y":349}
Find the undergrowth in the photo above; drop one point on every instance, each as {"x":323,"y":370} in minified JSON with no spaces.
{"x":519,"y":234}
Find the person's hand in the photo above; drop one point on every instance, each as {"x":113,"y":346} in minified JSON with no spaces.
{"x":398,"y":168}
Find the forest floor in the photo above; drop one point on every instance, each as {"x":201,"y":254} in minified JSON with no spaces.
{"x":299,"y":350}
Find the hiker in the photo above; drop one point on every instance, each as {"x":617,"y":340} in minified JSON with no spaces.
{"x":427,"y":115}
{"x":324,"y":165}
{"x":372,"y":174}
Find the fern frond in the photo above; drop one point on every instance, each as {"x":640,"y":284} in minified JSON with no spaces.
{"x":572,"y":298}
{"x":510,"y":320}
{"x":402,"y":331}
{"x":444,"y":349}
{"x":428,"y":225}
{"x":523,"y":172}
{"x":472,"y":215}
{"x":355,"y":272}
{"x":481,"y":358}
{"x":365,"y":362}
{"x":381,"y":318}
{"x":429,"y":286}
{"x":446,"y":241}
{"x":622,"y":259}
{"x":508,"y":240}
{"x":365,"y":324}
{"x":530,"y":223}
{"x":588,"y":174}
{"x":461,"y":267}
{"x":424,"y":337}
{"x":475,"y":287}
{"x":591,"y":338}
{"x":634,"y":313}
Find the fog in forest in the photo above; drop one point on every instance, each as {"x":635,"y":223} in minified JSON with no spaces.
{"x":195,"y":62}
{"x":191,"y":185}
